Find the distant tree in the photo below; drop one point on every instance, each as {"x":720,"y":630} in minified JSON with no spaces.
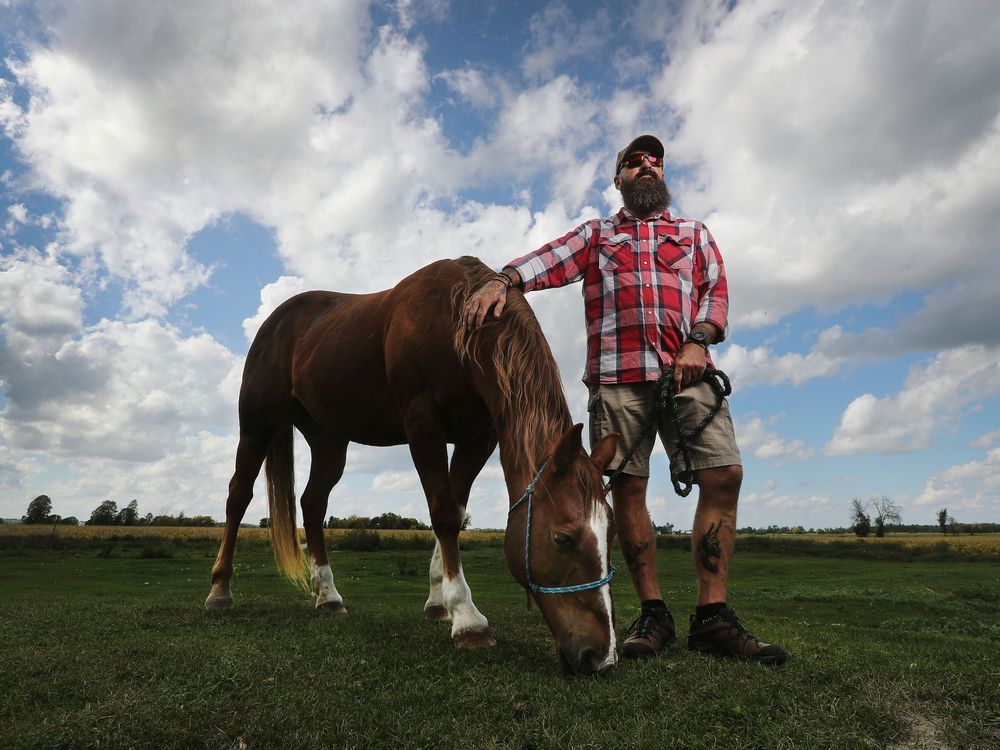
{"x":667,"y":528}
{"x":886,"y":511}
{"x":39,"y":510}
{"x":105,"y":514}
{"x":265,"y":523}
{"x":146,"y":520}
{"x":942,"y":518}
{"x":129,"y":515}
{"x":70,"y":521}
{"x":861,"y":524}
{"x":465,"y":521}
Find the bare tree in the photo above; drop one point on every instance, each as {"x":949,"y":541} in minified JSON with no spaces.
{"x":860,"y":521}
{"x":886,"y":511}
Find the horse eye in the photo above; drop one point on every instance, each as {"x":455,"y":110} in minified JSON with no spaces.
{"x":563,"y":540}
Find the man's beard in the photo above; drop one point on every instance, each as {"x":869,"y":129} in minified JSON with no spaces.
{"x":644,"y":197}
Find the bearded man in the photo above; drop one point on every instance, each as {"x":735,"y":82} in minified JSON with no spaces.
{"x":655,"y":295}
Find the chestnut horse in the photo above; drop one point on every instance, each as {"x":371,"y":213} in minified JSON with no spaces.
{"x":399,"y":366}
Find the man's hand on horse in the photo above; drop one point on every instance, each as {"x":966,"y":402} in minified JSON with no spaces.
{"x":689,"y":366}
{"x":492,"y":294}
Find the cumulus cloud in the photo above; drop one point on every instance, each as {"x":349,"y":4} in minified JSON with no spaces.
{"x":396,"y":481}
{"x":972,"y":488}
{"x":933,"y":397}
{"x":120,"y":390}
{"x":112,"y":128}
{"x":147,"y":123}
{"x":756,"y":437}
{"x":834,"y":199}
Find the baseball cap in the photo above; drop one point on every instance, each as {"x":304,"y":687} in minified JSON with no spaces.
{"x":648,"y":143}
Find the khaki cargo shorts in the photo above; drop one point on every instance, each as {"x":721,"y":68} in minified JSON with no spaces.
{"x":625,"y":407}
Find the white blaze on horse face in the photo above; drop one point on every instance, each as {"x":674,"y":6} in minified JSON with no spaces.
{"x":599,"y":522}
{"x":458,"y":599}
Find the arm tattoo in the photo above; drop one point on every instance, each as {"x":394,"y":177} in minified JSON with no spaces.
{"x":709,"y":547}
{"x":633,"y":552}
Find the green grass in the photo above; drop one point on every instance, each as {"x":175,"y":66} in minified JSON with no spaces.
{"x":114,"y":649}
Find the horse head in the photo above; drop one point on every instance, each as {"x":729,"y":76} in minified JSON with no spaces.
{"x":558,"y":547}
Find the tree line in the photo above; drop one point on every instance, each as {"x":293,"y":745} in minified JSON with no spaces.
{"x":109,"y":514}
{"x":384,"y":521}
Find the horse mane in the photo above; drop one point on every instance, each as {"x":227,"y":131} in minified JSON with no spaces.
{"x":533,"y":408}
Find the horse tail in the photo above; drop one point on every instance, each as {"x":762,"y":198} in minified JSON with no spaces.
{"x":279,"y":470}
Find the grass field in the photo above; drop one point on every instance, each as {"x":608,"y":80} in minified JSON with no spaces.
{"x":105,"y":644}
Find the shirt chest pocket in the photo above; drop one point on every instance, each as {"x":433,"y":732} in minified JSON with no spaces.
{"x":614,"y":254}
{"x":676,"y":254}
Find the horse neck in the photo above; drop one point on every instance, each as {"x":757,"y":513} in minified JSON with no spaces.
{"x":526,"y":441}
{"x":518,"y":379}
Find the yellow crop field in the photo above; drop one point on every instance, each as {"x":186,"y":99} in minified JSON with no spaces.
{"x":985,"y":543}
{"x":110,"y":533}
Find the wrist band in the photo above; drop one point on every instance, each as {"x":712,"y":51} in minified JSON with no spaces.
{"x":507,"y":281}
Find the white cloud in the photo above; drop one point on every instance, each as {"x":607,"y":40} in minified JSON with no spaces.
{"x":473,"y":86}
{"x":841,"y":153}
{"x":760,"y":365}
{"x":924,"y":410}
{"x":987,"y":440}
{"x":117,"y":126}
{"x":763,"y":443}
{"x":39,"y":304}
{"x":122,"y":390}
{"x":396,"y":481}
{"x":857,"y":143}
{"x":557,"y":37}
{"x":971,"y":489}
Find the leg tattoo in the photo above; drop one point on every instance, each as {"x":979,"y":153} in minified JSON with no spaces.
{"x":633,"y":552}
{"x":709,"y":547}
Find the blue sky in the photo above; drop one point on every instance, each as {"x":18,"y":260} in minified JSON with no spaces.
{"x":171,"y":172}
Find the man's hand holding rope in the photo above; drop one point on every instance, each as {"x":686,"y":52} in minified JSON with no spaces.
{"x":689,"y":367}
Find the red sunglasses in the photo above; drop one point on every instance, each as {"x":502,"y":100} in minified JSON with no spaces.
{"x":634,"y":160}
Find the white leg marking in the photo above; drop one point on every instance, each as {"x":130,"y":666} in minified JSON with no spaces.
{"x":436,"y":597}
{"x":458,"y":600}
{"x":599,"y":524}
{"x":321,"y":580}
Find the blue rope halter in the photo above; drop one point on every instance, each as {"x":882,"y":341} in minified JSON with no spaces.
{"x":576,"y":587}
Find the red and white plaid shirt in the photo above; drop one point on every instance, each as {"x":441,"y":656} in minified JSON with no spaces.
{"x":645,"y":285}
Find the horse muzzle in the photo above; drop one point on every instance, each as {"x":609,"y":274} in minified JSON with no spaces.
{"x":587,"y":660}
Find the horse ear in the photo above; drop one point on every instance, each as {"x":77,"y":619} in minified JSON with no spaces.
{"x":568,"y":449}
{"x":604,"y":451}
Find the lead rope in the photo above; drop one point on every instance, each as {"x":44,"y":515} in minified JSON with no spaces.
{"x":666,"y":393}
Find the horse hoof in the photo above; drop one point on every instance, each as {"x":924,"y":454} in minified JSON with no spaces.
{"x":436,"y":612}
{"x":473,"y":639}
{"x":336,"y":608}
{"x":219,"y":602}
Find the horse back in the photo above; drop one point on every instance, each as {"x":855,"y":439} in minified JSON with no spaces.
{"x":356,"y":363}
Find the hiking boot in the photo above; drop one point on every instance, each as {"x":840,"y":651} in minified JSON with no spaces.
{"x":651,"y":632}
{"x":725,"y":635}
